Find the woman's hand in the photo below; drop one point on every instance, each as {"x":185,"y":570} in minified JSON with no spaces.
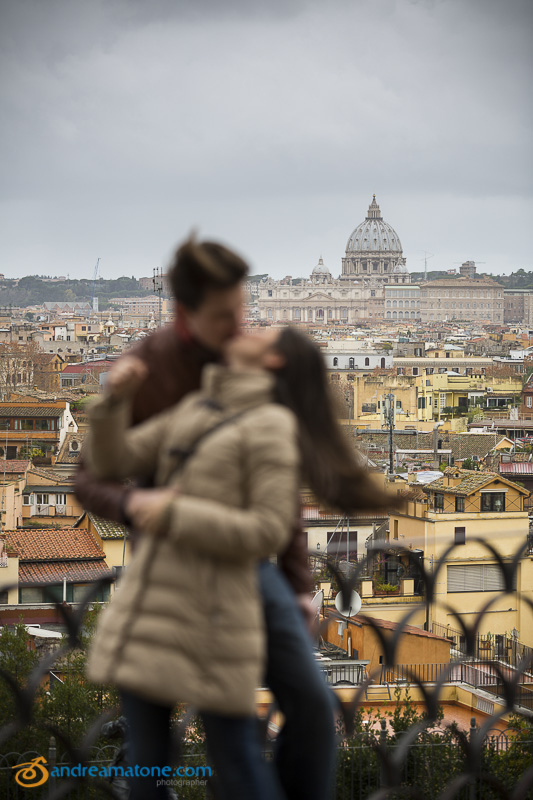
{"x":125,"y":377}
{"x":145,"y":506}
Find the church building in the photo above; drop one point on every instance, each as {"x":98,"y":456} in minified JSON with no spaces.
{"x":373,"y":260}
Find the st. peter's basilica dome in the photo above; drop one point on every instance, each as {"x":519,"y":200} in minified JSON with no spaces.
{"x":374,"y":235}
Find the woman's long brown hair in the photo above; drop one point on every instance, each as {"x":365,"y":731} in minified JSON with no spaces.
{"x":329,"y":466}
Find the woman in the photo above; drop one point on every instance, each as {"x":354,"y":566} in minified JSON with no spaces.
{"x":186,"y":624}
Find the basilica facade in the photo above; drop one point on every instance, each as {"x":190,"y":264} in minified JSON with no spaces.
{"x":373,"y":261}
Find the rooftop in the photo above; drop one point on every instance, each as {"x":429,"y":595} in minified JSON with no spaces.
{"x":57,"y":571}
{"x":470,"y":481}
{"x":7,"y":410}
{"x":107,"y":529}
{"x":63,"y":544}
{"x":13,"y":465}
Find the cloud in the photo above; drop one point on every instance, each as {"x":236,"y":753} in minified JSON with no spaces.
{"x":270,"y":124}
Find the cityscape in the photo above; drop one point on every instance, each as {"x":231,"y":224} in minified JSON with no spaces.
{"x":266,"y":400}
{"x":432,"y":380}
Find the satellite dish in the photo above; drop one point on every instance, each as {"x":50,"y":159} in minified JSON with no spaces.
{"x":316,"y":602}
{"x":354,"y":606}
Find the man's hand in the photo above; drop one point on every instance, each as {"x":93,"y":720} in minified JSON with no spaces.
{"x":145,"y":506}
{"x":125,"y":377}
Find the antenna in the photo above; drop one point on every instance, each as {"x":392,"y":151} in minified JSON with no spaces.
{"x":426,"y":258}
{"x":157,"y":280}
{"x":95,"y":275}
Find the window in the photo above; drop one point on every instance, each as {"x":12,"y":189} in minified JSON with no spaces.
{"x":493,"y":501}
{"x":475,"y":578}
{"x":351,"y":363}
{"x":439,"y":502}
{"x":415,"y":370}
{"x":24,"y":424}
{"x":529,"y":400}
{"x":459,"y":504}
{"x":61,"y":499}
{"x":26,"y":499}
{"x":460,"y":535}
{"x":367,"y":362}
{"x":335,"y":362}
{"x":44,"y":424}
{"x":42,"y":499}
{"x":31,"y":594}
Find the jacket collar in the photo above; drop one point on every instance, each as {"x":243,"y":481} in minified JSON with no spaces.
{"x":237,"y":390}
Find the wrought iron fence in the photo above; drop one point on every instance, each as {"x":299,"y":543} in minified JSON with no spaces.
{"x":408,"y":758}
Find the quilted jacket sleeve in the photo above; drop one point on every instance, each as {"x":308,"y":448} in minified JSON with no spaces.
{"x":113,"y":450}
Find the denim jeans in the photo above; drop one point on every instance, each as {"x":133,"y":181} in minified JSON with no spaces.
{"x":234,"y":750}
{"x":149,"y":743}
{"x":306,"y":751}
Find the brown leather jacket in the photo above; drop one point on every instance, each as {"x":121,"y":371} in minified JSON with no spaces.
{"x":174,"y":369}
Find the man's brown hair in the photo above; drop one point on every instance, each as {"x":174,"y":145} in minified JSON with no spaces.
{"x":201,"y":267}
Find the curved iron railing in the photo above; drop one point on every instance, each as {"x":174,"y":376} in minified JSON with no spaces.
{"x":425,"y":759}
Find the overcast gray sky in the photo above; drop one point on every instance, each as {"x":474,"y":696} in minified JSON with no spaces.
{"x":266,"y":123}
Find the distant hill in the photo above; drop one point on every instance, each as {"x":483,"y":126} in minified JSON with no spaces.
{"x":517,"y":280}
{"x":32,"y":290}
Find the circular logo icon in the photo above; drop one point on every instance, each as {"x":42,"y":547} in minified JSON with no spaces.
{"x":31,"y":773}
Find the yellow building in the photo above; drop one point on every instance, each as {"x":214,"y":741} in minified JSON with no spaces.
{"x":467,"y":510}
{"x":112,"y":537}
{"x":424,"y":397}
{"x":47,"y":495}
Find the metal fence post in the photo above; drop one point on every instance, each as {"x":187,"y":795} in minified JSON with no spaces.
{"x":52,"y":757}
{"x":383,"y":743}
{"x":472,"y":791}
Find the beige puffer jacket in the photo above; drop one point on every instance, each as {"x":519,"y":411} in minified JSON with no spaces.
{"x":186,"y":623}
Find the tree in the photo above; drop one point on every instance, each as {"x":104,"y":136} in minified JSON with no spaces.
{"x":17,"y":660}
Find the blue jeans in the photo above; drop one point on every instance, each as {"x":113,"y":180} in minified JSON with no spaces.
{"x":149,"y":743}
{"x":234,"y":750}
{"x":305,"y":749}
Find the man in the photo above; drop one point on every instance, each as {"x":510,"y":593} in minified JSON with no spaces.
{"x":206,"y":280}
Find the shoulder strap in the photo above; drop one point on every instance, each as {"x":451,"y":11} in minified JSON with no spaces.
{"x":185,"y":453}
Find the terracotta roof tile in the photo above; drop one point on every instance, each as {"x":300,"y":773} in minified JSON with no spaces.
{"x":471,"y":480}
{"x":392,"y":626}
{"x":26,"y":411}
{"x":63,"y":544}
{"x":108,"y":529}
{"x":66,"y":455}
{"x":13,"y":465}
{"x":57,"y":571}
{"x":45,"y":473}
